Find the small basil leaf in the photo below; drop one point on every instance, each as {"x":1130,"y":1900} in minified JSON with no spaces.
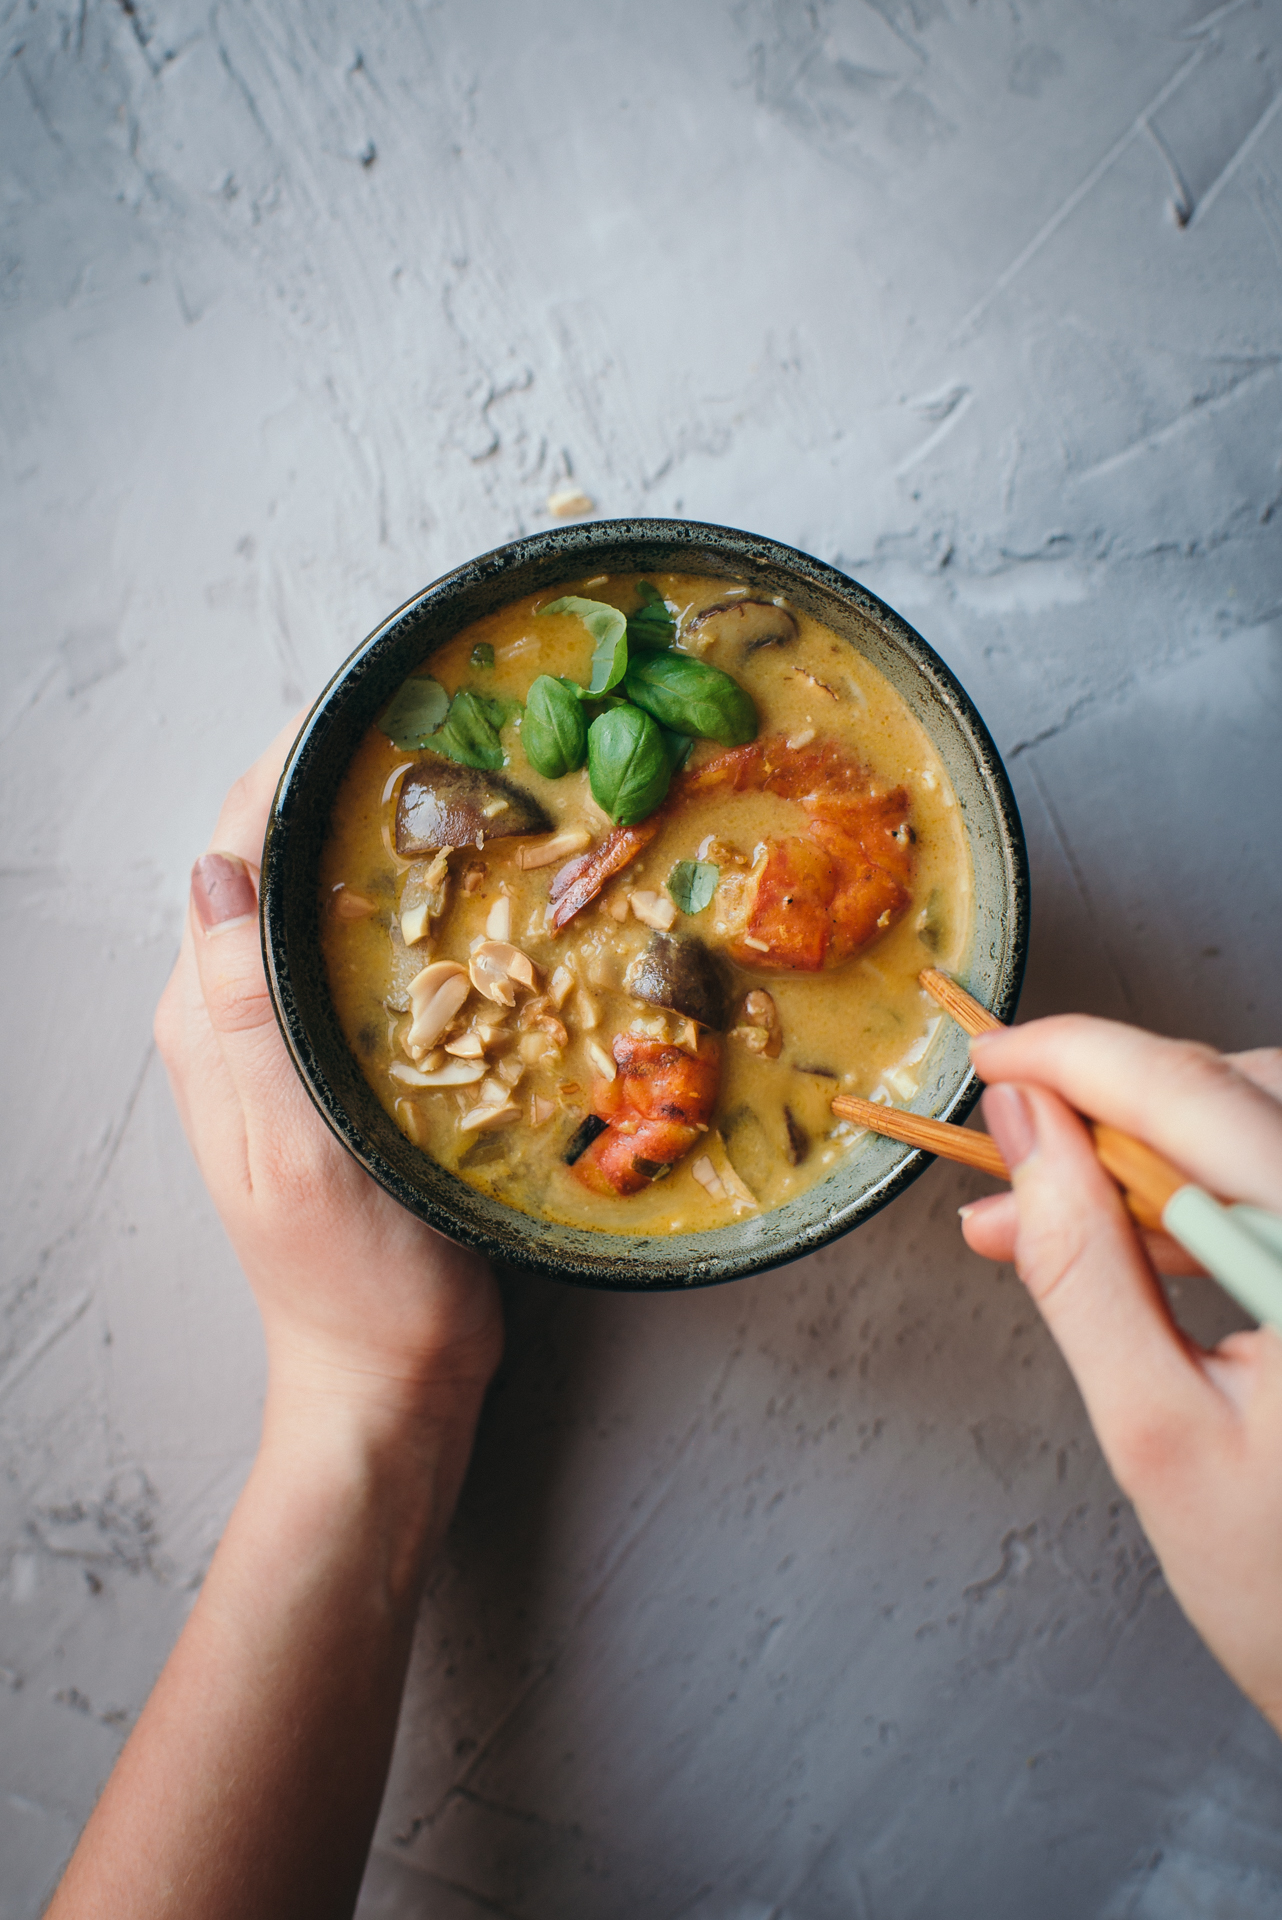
{"x":416,"y":711}
{"x":554,"y":732}
{"x":609,"y":629}
{"x":653,"y":626}
{"x":627,"y":764}
{"x":471,"y":734}
{"x":691,"y":697}
{"x":482,"y":654}
{"x":692,"y":884}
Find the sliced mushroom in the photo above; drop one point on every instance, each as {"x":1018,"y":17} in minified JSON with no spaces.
{"x":444,"y":805}
{"x":679,"y":973}
{"x":746,"y":624}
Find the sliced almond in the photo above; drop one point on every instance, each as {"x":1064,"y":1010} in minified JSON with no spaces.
{"x":544,"y":853}
{"x":601,"y":1060}
{"x":455,"y":1073}
{"x":559,"y":987}
{"x":654,"y":910}
{"x":498,"y":922}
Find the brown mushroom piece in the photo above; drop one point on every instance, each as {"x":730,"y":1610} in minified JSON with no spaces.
{"x":444,"y":805}
{"x":681,"y":975}
{"x":748,"y":625}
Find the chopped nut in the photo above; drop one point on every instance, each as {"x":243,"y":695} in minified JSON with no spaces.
{"x":416,"y":924}
{"x":586,"y":1011}
{"x":759,"y":946}
{"x":559,"y":986}
{"x":541,"y":1111}
{"x":469,"y":1046}
{"x":473,"y":876}
{"x":654,"y":910}
{"x":455,"y":1073}
{"x":706,"y":1174}
{"x":755,"y":1039}
{"x":798,"y":740}
{"x":410,"y":1121}
{"x":544,"y":853}
{"x":435,"y":995}
{"x":510,"y":1070}
{"x":601,"y":1060}
{"x":688,"y":1038}
{"x":734,"y":1186}
{"x":352,"y":906}
{"x":497,"y":1115}
{"x":570,"y":503}
{"x":761,"y":1014}
{"x":496,"y":969}
{"x":616,"y":905}
{"x":494,"y":808}
{"x":498,"y":922}
{"x":534,"y":1047}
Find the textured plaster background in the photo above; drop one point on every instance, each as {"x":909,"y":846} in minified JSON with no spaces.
{"x":808,"y":1598}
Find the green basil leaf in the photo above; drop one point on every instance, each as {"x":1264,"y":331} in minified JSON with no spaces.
{"x":628,"y":766}
{"x":554,"y":732}
{"x":415,"y":711}
{"x":482,"y":654}
{"x":653,"y":626}
{"x":692,"y":884}
{"x":471,"y":733}
{"x":609,"y":628}
{"x":679,"y":748}
{"x":691,"y":697}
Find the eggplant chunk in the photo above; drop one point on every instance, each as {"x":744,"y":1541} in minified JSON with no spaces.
{"x":746,"y":624}
{"x":677,"y":972}
{"x":445,"y":805}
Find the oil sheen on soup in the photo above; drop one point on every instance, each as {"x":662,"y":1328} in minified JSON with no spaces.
{"x":621,"y":991}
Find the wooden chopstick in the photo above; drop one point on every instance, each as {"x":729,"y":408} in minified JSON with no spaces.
{"x":1146,"y":1179}
{"x":932,"y":1136}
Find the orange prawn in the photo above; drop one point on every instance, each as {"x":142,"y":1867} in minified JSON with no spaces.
{"x":811,"y":903}
{"x":655,"y":1108}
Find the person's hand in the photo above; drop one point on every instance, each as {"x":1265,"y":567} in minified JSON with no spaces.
{"x":363,"y":1306}
{"x":1194,"y":1438}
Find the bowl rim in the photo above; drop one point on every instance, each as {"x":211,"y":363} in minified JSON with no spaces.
{"x":578,"y":542}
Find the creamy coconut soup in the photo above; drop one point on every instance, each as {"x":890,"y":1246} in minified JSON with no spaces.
{"x":631,"y":879}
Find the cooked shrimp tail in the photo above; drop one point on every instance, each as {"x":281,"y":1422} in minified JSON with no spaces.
{"x":581,"y":880}
{"x":657,"y":1106}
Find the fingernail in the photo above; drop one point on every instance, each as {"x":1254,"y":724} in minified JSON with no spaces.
{"x":222,"y":892}
{"x":1009,"y":1114}
{"x":978,"y":1041}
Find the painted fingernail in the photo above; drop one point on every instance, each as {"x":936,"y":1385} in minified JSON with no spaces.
{"x":1009,"y":1114}
{"x":222,"y":892}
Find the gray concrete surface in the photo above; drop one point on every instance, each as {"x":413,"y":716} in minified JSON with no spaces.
{"x":808,"y":1598}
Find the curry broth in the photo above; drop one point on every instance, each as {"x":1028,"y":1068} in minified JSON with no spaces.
{"x":860,"y":1028}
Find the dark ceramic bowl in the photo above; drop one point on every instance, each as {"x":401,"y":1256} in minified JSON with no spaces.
{"x":852,"y":1193}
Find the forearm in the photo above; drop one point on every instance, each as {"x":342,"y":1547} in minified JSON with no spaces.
{"x":252,"y":1781}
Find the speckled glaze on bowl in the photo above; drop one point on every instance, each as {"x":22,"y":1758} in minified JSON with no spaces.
{"x":853,"y":1192}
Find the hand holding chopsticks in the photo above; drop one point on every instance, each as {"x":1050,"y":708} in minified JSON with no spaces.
{"x":1240,"y":1245}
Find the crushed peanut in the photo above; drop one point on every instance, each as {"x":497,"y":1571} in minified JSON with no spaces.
{"x":654,"y":910}
{"x":544,"y":853}
{"x":498,"y":922}
{"x":601,"y":1060}
{"x":352,"y":906}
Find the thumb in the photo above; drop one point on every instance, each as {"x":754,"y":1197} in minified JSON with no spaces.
{"x":1079,"y":1257}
